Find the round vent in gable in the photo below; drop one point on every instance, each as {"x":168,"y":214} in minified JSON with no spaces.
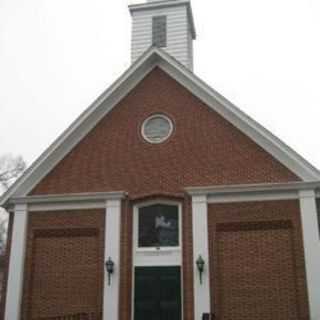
{"x":157,"y":128}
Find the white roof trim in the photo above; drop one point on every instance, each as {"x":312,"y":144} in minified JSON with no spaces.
{"x":113,"y":95}
{"x":264,"y":138}
{"x":81,"y":126}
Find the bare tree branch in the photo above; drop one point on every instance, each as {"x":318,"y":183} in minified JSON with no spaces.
{"x":10,"y":169}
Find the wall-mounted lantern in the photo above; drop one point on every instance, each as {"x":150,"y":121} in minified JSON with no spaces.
{"x":200,"y":265}
{"x":110,"y":269}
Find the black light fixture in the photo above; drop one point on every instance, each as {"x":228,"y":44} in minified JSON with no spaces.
{"x":200,"y":265}
{"x":110,"y":268}
{"x":208,"y":316}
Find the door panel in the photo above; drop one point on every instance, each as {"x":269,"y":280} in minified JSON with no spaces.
{"x":157,"y":293}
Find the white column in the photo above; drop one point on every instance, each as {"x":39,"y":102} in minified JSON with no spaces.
{"x":16,"y":263}
{"x":311,"y":244}
{"x":200,"y":247}
{"x":112,"y":250}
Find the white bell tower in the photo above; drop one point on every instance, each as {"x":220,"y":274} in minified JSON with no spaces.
{"x":167,"y":24}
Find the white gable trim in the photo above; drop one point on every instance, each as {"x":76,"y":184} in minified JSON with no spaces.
{"x":80,"y":127}
{"x":260,"y":135}
{"x":112,"y":96}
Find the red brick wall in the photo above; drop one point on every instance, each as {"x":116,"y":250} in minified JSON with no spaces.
{"x":204,"y":149}
{"x":64,"y":264}
{"x":257,"y":261}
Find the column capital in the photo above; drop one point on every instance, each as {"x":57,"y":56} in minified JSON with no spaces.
{"x":308,"y":193}
{"x":113,"y":203}
{"x":20,"y":208}
{"x":199,"y":199}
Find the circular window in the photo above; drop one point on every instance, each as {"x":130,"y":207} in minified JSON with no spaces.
{"x":157,"y":128}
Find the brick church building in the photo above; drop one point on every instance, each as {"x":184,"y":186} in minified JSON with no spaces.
{"x":164,"y":201}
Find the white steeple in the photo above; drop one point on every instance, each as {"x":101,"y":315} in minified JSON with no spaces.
{"x":167,"y":24}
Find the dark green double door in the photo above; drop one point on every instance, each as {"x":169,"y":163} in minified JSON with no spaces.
{"x":157,"y":293}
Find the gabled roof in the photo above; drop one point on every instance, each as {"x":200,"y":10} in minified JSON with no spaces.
{"x":152,"y":58}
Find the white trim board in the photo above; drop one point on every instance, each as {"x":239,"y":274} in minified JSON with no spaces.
{"x":74,"y":201}
{"x":252,"y":192}
{"x":147,"y":62}
{"x":253,"y":197}
{"x":71,"y":197}
{"x":252,"y":188}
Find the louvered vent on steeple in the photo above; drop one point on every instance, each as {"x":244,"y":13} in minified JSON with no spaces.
{"x":159,"y":31}
{"x":167,"y":24}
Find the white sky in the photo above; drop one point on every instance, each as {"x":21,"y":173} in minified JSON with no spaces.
{"x":57,"y":56}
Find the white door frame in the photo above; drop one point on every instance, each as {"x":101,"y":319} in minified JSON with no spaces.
{"x":153,"y":257}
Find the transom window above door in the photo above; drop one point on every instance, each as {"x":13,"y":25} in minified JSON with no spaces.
{"x":158,"y":226}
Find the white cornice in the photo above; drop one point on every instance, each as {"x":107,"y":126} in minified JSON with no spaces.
{"x":64,"y":198}
{"x":252,"y":188}
{"x":253,"y":192}
{"x":76,"y":201}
